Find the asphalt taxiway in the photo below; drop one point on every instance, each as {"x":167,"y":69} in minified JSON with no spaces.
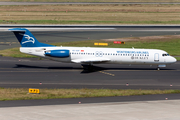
{"x":27,"y":73}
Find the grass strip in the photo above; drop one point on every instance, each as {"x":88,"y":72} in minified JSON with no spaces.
{"x":90,"y":22}
{"x":22,"y":93}
{"x":90,"y":14}
{"x":90,"y":1}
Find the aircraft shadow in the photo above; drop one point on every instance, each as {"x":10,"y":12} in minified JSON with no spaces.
{"x":30,"y":66}
{"x":95,"y":69}
{"x":86,"y":70}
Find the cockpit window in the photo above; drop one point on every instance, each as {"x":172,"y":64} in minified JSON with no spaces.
{"x":165,"y":54}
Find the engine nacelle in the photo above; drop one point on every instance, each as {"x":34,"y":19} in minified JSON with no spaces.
{"x":57,"y":53}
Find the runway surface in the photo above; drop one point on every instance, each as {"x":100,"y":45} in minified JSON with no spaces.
{"x":30,"y":72}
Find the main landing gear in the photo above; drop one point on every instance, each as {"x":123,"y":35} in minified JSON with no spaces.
{"x":87,"y":66}
{"x":158,"y":68}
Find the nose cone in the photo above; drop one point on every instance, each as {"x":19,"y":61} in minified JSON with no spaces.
{"x":172,"y":60}
{"x":175,"y":60}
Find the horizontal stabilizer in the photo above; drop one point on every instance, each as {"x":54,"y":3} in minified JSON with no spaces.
{"x":18,"y":29}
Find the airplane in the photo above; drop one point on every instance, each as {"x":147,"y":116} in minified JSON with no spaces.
{"x":91,"y":55}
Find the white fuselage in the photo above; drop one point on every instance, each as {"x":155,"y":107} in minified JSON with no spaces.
{"x":109,"y":55}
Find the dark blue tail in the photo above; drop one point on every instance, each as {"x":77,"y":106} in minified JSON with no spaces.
{"x":26,"y":39}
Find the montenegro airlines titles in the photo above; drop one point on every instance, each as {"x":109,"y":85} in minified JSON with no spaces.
{"x":89,"y":55}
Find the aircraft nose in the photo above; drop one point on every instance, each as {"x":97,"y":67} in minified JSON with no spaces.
{"x":170,"y":59}
{"x":173,"y":60}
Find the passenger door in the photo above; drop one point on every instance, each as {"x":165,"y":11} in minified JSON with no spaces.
{"x":156,"y":57}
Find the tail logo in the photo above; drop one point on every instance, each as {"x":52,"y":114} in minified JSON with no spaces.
{"x":29,"y":39}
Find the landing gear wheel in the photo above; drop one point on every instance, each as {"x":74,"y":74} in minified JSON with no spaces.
{"x":158,"y":68}
{"x":87,"y":67}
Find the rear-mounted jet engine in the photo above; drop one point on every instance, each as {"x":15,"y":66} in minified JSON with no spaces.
{"x":57,"y":53}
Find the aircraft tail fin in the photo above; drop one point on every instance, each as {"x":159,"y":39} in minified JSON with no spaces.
{"x":26,"y":39}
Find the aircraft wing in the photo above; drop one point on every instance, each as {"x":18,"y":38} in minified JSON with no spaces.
{"x":91,"y":60}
